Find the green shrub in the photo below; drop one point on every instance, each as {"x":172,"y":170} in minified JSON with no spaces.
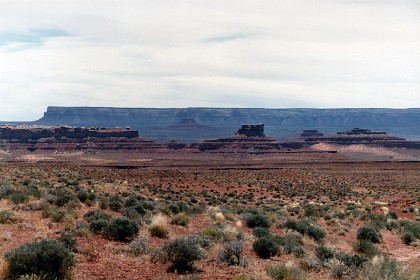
{"x":324,"y":253}
{"x":98,"y":226}
{"x":182,"y":253}
{"x":412,"y":227}
{"x":366,"y":248}
{"x":260,"y":232}
{"x":115,"y":204}
{"x":121,"y":229}
{"x":257,"y":220}
{"x":266,"y":246}
{"x":285,"y":271}
{"x":382,"y":268}
{"x":368,"y":233}
{"x":292,"y":243}
{"x":407,"y":238}
{"x":18,"y":197}
{"x":306,"y":227}
{"x":180,"y":220}
{"x":94,"y":215}
{"x":47,"y":258}
{"x":69,"y":241}
{"x":211,"y":233}
{"x":7,"y":217}
{"x":137,"y":247}
{"x":351,"y":260}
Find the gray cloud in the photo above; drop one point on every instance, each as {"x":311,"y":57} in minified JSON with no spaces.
{"x":237,"y":53}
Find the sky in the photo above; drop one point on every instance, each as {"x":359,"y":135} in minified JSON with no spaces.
{"x":208,"y":53}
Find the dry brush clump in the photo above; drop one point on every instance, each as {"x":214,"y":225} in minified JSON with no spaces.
{"x":159,"y":226}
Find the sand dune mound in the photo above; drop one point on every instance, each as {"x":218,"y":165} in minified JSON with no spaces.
{"x":360,"y":150}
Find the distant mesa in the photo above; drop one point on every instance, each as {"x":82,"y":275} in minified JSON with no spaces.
{"x":166,"y":124}
{"x":36,"y":132}
{"x":187,"y":124}
{"x":311,"y":133}
{"x":359,"y":136}
{"x":361,"y":131}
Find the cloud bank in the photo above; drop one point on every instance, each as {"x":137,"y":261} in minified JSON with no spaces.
{"x":181,"y":53}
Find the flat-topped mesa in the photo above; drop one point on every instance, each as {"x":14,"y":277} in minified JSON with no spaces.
{"x":361,"y":131}
{"x":251,"y":130}
{"x":31,"y":132}
{"x":311,"y":133}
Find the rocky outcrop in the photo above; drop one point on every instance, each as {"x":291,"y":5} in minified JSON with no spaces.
{"x":26,"y":133}
{"x":279,"y":123}
{"x":249,"y":138}
{"x":251,"y":130}
{"x":363,"y":136}
{"x":361,"y":131}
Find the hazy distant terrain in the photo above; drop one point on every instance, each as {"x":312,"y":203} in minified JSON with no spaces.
{"x":167,"y":124}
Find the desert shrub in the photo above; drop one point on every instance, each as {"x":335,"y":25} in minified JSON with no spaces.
{"x":266,"y":246}
{"x":98,"y":226}
{"x":57,"y":214}
{"x":137,"y":247}
{"x":69,"y":241}
{"x":292,"y":243}
{"x":115,"y":203}
{"x":231,"y":252}
{"x":45,"y":258}
{"x":407,"y":238}
{"x":411,"y":227}
{"x":182,"y":253}
{"x":159,"y":227}
{"x":62,"y":196}
{"x":18,"y":197}
{"x":121,"y":229}
{"x":306,"y":227}
{"x":82,"y":195}
{"x":104,"y":203}
{"x":229,"y":233}
{"x":285,"y":271}
{"x":211,"y":233}
{"x":94,"y":215}
{"x":378,"y":221}
{"x":324,"y":253}
{"x":311,"y":211}
{"x":7,"y":217}
{"x":180,"y":220}
{"x":368,"y":233}
{"x":381,"y":268}
{"x":337,"y":268}
{"x":366,"y":248}
{"x":260,"y":232}
{"x":392,"y":225}
{"x":350,"y":260}
{"x":315,"y":232}
{"x":311,"y":263}
{"x":257,"y":220}
{"x":139,"y":209}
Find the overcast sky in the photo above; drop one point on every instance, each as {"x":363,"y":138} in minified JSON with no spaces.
{"x":208,"y":53}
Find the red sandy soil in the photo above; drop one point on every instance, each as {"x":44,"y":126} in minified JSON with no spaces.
{"x":317,"y":176}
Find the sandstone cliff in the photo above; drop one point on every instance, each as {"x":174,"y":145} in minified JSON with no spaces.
{"x":153,"y":123}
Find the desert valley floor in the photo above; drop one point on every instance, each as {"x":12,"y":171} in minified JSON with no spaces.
{"x":311,"y":204}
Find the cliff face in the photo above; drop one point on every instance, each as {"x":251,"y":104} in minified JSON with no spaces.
{"x":152,"y":123}
{"x":26,"y":133}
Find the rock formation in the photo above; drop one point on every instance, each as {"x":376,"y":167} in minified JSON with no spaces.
{"x":361,"y":136}
{"x":279,"y":123}
{"x":25,"y":133}
{"x":252,"y":130}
